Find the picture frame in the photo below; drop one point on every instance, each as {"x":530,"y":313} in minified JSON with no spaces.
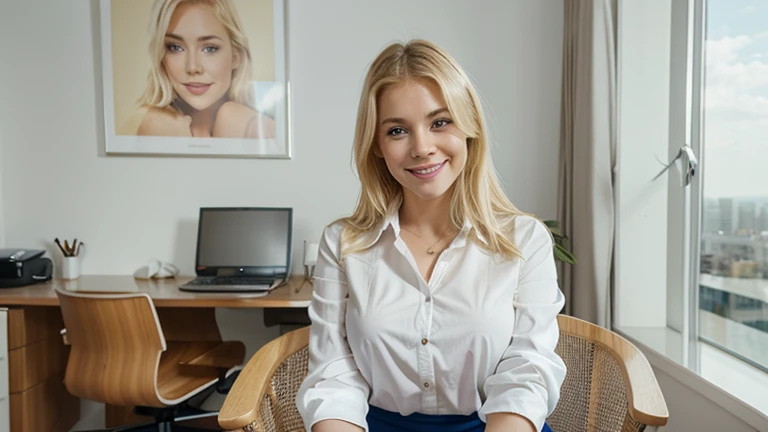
{"x":176,"y":80}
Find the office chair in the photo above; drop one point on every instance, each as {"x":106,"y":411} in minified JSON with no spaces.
{"x":609,"y":386}
{"x":119,"y":356}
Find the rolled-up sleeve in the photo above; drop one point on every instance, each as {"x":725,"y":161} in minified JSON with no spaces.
{"x":528,"y":378}
{"x":334,"y":387}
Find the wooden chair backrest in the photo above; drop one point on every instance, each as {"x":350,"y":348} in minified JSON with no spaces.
{"x":610,"y":385}
{"x":116,"y":342}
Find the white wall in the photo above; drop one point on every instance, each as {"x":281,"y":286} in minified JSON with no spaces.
{"x":689,"y":410}
{"x":56,"y":182}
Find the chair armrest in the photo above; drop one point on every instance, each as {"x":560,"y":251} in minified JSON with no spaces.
{"x":241,"y":406}
{"x":646,"y":401}
{"x":225,"y":355}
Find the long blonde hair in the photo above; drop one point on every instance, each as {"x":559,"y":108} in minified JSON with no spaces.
{"x":477,"y":195}
{"x":159,"y":91}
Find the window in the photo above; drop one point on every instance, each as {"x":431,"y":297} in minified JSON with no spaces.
{"x":733,"y":294}
{"x":691,"y":262}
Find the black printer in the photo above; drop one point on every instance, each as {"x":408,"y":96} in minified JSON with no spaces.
{"x":19,"y":267}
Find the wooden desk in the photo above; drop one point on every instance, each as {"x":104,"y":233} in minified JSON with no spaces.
{"x":164,"y":293}
{"x":37,"y":399}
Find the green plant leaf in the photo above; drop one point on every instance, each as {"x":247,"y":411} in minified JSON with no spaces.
{"x":564,"y":254}
{"x":561,"y":243}
{"x":551,"y":223}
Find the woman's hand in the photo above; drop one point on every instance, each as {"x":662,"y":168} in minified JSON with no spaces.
{"x":335,"y":426}
{"x":160,"y":122}
{"x":507,"y":422}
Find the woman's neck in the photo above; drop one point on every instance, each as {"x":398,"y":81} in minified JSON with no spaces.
{"x":426,"y":217}
{"x":202,"y":120}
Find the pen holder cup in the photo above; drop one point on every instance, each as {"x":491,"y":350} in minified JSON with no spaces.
{"x":70,"y":267}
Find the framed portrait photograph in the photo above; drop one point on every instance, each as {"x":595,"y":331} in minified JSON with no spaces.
{"x":197,"y":78}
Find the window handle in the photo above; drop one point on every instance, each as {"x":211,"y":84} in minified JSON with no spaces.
{"x":686,"y":164}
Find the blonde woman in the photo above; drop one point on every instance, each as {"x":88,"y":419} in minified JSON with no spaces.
{"x":198,"y":84}
{"x":435,"y":302}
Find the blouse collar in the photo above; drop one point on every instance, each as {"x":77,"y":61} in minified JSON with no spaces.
{"x":393,"y":220}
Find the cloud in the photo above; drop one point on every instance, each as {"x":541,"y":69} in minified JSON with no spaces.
{"x":725,"y":50}
{"x":747,"y":9}
{"x":732,"y":84}
{"x":735,"y":117}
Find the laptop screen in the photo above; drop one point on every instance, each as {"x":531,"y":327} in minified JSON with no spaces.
{"x":251,"y":241}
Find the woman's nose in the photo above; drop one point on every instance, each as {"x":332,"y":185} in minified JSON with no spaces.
{"x":422,"y":145}
{"x":193,"y":66}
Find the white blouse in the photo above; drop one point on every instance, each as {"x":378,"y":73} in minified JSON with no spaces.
{"x":479,"y":337}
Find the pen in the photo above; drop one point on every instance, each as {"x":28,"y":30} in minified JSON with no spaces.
{"x":77,"y":252}
{"x":56,"y":240}
{"x":73,"y":251}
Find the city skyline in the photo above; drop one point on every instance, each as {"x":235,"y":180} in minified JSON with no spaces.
{"x":735,"y":215}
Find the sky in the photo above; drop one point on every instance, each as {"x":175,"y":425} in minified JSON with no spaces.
{"x":736,"y":99}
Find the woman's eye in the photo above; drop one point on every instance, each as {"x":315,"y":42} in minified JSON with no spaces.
{"x":396,"y":131}
{"x":210,"y":49}
{"x":173,"y":47}
{"x":441,"y":123}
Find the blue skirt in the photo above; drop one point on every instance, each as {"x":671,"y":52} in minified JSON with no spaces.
{"x":380,"y":420}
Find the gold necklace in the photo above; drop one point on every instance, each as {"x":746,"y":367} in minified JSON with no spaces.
{"x":430,"y":249}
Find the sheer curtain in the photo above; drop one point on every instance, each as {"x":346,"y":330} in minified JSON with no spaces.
{"x":587,"y":156}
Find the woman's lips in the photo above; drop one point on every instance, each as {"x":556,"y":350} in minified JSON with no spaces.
{"x":427,"y":174}
{"x":197,"y":89}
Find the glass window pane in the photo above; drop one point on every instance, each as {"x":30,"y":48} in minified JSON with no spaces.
{"x":733,"y":286}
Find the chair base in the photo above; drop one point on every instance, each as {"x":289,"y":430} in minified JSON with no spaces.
{"x":182,"y":417}
{"x":159,"y":427}
{"x":203,"y":422}
{"x":178,"y":418}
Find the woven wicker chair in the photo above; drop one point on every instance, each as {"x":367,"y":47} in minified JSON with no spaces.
{"x":609,"y":387}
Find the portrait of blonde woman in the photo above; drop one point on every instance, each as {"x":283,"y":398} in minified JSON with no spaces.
{"x":190,"y":68}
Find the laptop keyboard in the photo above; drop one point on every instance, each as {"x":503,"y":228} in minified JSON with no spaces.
{"x":230,"y":281}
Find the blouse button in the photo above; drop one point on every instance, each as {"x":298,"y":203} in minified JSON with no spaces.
{"x":429,"y":299}
{"x":426,"y":385}
{"x":424,"y":341}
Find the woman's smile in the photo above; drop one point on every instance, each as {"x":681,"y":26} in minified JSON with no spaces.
{"x":427,"y":172}
{"x":197,"y":89}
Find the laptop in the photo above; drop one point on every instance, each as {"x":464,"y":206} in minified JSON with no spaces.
{"x":242,"y":249}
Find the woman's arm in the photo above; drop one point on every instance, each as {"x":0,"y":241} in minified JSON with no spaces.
{"x":334,"y":389}
{"x":335,"y":426}
{"x":507,"y":422}
{"x":528,"y":378}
